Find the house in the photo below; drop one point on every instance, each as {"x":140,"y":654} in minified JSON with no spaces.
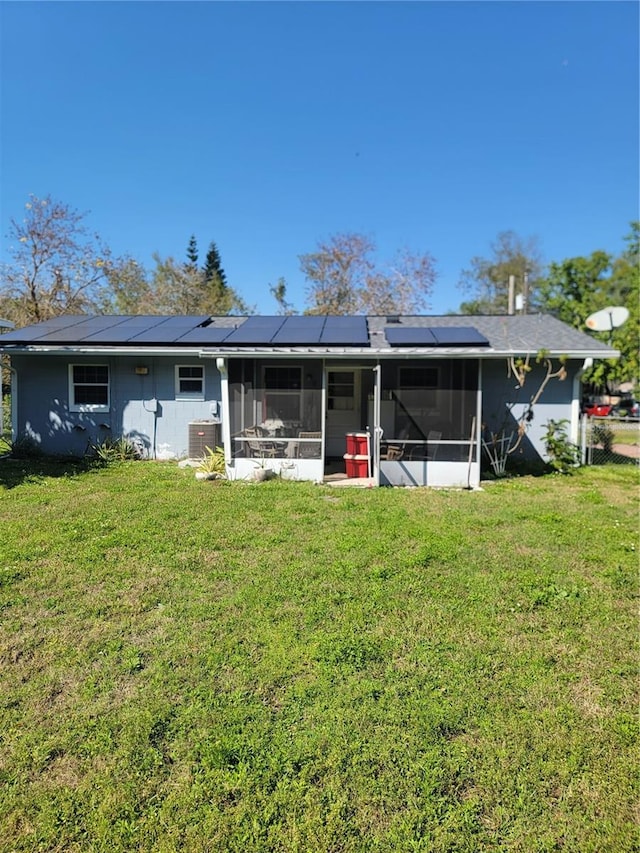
{"x":290,"y":390}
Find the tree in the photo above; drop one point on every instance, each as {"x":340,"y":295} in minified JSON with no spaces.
{"x":577,"y":287}
{"x":55,"y":268}
{"x":127,"y":290}
{"x":182,"y":289}
{"x":279,"y":293}
{"x":487,"y":279}
{"x":213,"y":266}
{"x":343,"y":279}
{"x":192,"y":252}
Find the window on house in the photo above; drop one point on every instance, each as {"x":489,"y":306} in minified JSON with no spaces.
{"x":89,"y":387}
{"x":418,"y":377}
{"x":282,"y":394}
{"x":341,"y":391}
{"x":416,"y":400}
{"x":190,"y":381}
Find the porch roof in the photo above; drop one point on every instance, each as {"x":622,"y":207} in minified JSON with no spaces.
{"x":493,"y":336}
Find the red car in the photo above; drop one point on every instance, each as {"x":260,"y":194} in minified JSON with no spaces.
{"x":598,"y":410}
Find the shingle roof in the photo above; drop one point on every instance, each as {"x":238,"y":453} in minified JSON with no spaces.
{"x":515,"y":333}
{"x":505,"y":335}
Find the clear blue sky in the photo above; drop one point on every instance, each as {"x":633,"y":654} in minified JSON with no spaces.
{"x":268,"y":126}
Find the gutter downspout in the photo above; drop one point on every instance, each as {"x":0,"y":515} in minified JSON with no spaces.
{"x":574,"y":434}
{"x":221,"y":364}
{"x":14,"y":403}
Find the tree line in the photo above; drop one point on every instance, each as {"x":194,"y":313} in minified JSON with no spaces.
{"x":57,"y":266}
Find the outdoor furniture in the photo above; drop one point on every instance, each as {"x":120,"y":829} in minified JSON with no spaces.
{"x":258,"y":447}
{"x":392,"y":453}
{"x":427,"y":451}
{"x":309,"y":450}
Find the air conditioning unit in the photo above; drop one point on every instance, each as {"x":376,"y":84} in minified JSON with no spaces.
{"x":202,"y":434}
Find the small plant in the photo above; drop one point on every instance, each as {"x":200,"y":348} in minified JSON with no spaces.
{"x":603,"y":435}
{"x":25,"y":448}
{"x":212,"y":463}
{"x":122,"y":449}
{"x":563,"y":455}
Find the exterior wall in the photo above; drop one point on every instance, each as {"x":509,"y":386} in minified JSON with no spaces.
{"x":142,"y":407}
{"x":500,"y":393}
{"x":288,"y":469}
{"x":457,"y":475}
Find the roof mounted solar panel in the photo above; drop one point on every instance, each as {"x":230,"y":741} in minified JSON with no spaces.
{"x":206,"y":335}
{"x":459,"y":336}
{"x":170,"y":330}
{"x":78,"y":332}
{"x":38,"y":330}
{"x":255,"y":331}
{"x":299,"y":330}
{"x":122,"y":332}
{"x":345,"y":331}
{"x":410,"y":336}
{"x":435,"y":336}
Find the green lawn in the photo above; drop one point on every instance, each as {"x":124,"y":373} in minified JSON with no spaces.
{"x":196,"y":666}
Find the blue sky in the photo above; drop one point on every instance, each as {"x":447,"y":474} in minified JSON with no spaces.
{"x":268,"y":126}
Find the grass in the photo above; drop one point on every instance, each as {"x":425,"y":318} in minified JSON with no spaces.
{"x":284,"y":667}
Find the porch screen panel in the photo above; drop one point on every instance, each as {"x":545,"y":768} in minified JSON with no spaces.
{"x":241,"y":400}
{"x":278,"y":409}
{"x":431,"y":404}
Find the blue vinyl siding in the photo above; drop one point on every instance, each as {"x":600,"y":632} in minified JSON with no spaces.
{"x":43,"y":412}
{"x":500,"y":392}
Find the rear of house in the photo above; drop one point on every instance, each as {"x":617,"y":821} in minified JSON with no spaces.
{"x":413,"y":396}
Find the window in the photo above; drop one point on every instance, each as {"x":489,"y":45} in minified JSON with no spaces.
{"x":190,"y":382}
{"x":283,"y":378}
{"x":89,"y":387}
{"x":282,"y":394}
{"x":418,"y":377}
{"x":341,"y":391}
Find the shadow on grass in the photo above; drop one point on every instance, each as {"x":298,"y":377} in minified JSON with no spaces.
{"x":610,"y":457}
{"x":14,"y":472}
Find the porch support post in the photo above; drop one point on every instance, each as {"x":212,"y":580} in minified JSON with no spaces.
{"x":479,"y":422}
{"x":225,"y":415}
{"x":323,"y":404}
{"x":377,"y":431}
{"x":576,"y":400}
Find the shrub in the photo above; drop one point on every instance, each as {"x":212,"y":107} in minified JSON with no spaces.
{"x":563,"y":455}
{"x":121,"y":449}
{"x":212,"y":462}
{"x":603,"y":435}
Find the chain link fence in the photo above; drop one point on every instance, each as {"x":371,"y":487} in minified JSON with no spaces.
{"x":610,"y":441}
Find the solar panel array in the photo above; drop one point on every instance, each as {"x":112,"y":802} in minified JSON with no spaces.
{"x":271,"y":331}
{"x":170,"y":331}
{"x":435,"y":336}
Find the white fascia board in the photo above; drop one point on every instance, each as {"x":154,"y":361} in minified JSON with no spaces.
{"x":367,"y":353}
{"x":41,"y":349}
{"x":406,"y":352}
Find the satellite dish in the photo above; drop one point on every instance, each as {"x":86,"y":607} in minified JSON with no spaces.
{"x":607,"y":319}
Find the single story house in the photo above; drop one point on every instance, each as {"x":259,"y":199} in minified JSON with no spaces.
{"x":294,"y":392}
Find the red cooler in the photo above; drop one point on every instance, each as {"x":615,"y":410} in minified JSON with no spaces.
{"x":358,"y":444}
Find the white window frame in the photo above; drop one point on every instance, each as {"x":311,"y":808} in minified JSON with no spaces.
{"x":189,"y":395}
{"x":88,"y":407}
{"x":291,"y":393}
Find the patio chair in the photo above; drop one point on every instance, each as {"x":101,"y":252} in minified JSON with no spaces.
{"x":258,"y":447}
{"x":392,"y":452}
{"x":427,"y":451}
{"x":308,"y":450}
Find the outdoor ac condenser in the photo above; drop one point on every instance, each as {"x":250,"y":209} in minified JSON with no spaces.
{"x":202,"y":434}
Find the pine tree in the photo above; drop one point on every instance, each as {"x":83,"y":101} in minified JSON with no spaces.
{"x":192,"y":252}
{"x":213,"y":266}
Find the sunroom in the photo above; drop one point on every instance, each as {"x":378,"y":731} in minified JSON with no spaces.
{"x":419,"y":417}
